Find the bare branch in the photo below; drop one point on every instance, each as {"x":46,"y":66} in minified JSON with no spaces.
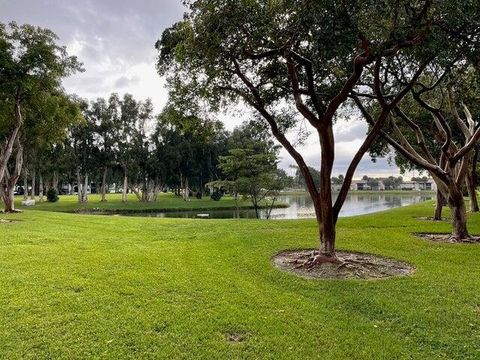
{"x":461,"y":124}
{"x":301,"y":107}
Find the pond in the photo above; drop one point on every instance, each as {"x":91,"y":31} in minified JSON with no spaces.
{"x":301,"y":207}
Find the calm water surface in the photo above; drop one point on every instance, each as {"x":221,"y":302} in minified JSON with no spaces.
{"x":300,"y":207}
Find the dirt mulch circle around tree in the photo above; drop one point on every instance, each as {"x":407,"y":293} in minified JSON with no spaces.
{"x":351,"y":265}
{"x":430,"y":218}
{"x":448,"y":238}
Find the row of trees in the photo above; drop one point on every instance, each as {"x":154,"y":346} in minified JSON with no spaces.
{"x":119,"y":141}
{"x":307,"y":61}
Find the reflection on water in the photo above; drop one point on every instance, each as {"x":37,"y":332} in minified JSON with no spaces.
{"x":301,"y":207}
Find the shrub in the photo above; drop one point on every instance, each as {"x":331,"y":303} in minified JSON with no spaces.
{"x":216,"y":195}
{"x":52,"y":195}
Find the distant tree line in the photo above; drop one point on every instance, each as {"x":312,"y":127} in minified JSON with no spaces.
{"x":120,"y":145}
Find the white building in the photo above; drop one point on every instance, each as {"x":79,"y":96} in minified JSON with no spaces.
{"x":359,"y":185}
{"x":423,"y":185}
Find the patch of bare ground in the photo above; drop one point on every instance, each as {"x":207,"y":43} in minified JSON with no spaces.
{"x":350,"y":265}
{"x":448,"y":238}
{"x":7,"y":221}
{"x":431,"y":218}
{"x":236,"y":337}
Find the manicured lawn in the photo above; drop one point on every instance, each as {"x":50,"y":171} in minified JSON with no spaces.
{"x":86,"y":286}
{"x":165,"y":202}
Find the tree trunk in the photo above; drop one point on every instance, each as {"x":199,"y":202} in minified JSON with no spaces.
{"x":9,"y":182}
{"x":140,"y":196}
{"x":25,"y":184}
{"x":327,"y":220}
{"x":269,"y":212}
{"x":85,"y":190}
{"x":7,"y":150}
{"x":40,"y":188}
{"x":79,"y":186}
{"x":472,"y":193}
{"x":439,"y":206}
{"x":32,"y":193}
{"x":55,"y":181}
{"x":125,"y":186}
{"x":459,"y":215}
{"x":104,"y":184}
{"x":8,"y":199}
{"x":253,"y":194}
{"x":186,"y":194}
{"x":144,"y":197}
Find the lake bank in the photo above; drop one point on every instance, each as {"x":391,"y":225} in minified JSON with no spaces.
{"x":166,"y":202}
{"x":293,"y":206}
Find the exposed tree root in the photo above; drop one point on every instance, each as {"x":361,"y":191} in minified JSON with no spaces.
{"x":12,"y":211}
{"x":314,"y":259}
{"x":449,"y":238}
{"x":431,"y":218}
{"x":345,"y":265}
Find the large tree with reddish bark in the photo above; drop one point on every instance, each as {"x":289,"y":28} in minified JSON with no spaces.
{"x":295,"y":61}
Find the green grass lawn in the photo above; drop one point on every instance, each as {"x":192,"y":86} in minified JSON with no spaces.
{"x":165,"y":202}
{"x":86,"y":286}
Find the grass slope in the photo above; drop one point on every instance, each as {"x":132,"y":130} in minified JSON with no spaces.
{"x":116,"y":287}
{"x":165,"y":202}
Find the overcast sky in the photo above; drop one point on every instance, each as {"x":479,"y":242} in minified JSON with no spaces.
{"x":115,"y":41}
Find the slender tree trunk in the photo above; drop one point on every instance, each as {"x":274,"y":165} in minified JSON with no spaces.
{"x":25,"y":184}
{"x":144,"y":197}
{"x":255,"y":204}
{"x":125,"y":186}
{"x":55,"y":181}
{"x":104,"y":184}
{"x":79,"y":186}
{"x":269,"y":212}
{"x":140,"y":196}
{"x":7,"y":150}
{"x":439,"y":206}
{"x":186,"y":194}
{"x":32,"y":193}
{"x":85,"y":190}
{"x":40,"y":188}
{"x":9,"y":182}
{"x":472,"y":193}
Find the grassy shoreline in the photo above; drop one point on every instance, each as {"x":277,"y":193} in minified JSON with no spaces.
{"x":120,"y":287}
{"x":370,"y":192}
{"x":166,"y":202}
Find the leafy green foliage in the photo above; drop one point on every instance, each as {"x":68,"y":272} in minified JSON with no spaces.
{"x":216,"y":195}
{"x":52,"y":195}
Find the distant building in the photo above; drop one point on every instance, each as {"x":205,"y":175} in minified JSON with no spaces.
{"x":359,"y":185}
{"x":422,"y":185}
{"x":378,"y":185}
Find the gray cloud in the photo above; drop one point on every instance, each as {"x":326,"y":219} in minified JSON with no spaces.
{"x":114,"y":39}
{"x":124,"y":81}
